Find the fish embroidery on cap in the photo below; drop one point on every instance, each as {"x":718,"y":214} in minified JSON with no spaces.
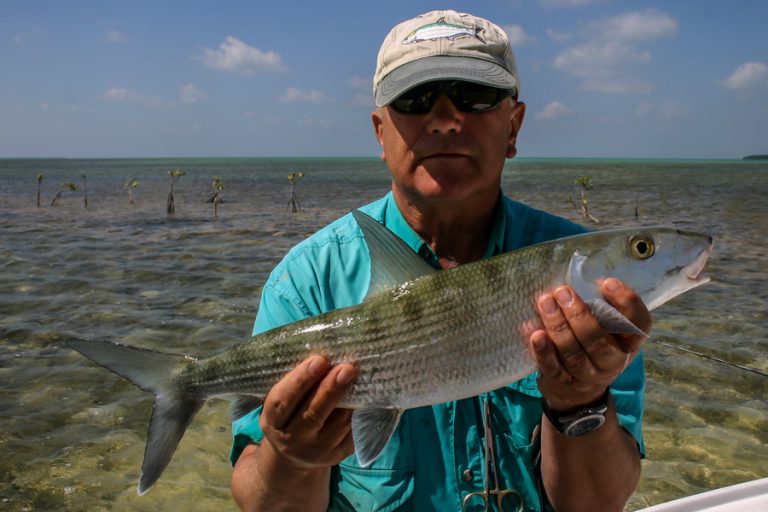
{"x":442,"y":30}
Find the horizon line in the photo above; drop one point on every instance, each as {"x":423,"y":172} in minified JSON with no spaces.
{"x":738,"y":159}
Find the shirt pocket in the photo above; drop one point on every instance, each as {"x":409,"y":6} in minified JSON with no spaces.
{"x":369,"y":490}
{"x":518,"y":459}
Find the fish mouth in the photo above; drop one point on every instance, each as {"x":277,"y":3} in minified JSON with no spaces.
{"x":693,"y":271}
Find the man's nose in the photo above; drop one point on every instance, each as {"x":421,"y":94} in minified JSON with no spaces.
{"x":444,"y":117}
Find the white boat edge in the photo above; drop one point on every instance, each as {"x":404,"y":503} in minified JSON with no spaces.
{"x":749,"y":496}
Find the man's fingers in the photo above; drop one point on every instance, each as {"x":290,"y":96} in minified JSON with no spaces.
{"x":564,"y":315}
{"x":592,"y":337}
{"x":337,"y":427}
{"x":577,"y":357}
{"x":285,"y":397}
{"x":319,"y":405}
{"x":346,"y":447}
{"x":582,"y":344}
{"x":631,"y":306}
{"x":546,"y":356}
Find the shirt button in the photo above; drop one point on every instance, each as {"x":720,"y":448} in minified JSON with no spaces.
{"x":467,"y":475}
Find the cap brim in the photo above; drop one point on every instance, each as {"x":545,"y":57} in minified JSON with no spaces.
{"x":442,"y":67}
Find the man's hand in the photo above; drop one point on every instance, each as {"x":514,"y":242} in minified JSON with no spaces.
{"x":305,"y":433}
{"x":577,"y":358}
{"x":300,"y":419}
{"x":578,"y":361}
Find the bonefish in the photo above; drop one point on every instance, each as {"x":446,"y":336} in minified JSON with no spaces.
{"x":421,"y":337}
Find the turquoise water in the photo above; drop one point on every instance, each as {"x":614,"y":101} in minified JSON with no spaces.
{"x":72,"y":435}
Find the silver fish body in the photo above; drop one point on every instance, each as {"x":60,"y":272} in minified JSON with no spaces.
{"x":422,"y":337}
{"x":454,"y":334}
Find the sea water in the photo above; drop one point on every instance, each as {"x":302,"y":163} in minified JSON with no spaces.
{"x":72,"y":434}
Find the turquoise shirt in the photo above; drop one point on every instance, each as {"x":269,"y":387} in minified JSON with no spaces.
{"x":435,"y":456}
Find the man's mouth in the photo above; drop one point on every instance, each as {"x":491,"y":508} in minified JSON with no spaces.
{"x":444,"y":155}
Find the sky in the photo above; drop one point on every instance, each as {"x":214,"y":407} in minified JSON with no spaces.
{"x":601,"y":78}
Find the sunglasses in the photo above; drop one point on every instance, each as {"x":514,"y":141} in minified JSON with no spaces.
{"x":465,"y":96}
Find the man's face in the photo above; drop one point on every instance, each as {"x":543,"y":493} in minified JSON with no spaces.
{"x":447,"y":155}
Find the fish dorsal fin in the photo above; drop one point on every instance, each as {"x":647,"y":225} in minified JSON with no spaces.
{"x":372,"y":428}
{"x":611,"y":319}
{"x":392,"y":261}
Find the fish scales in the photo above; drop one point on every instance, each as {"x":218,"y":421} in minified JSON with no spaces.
{"x":426,"y":340}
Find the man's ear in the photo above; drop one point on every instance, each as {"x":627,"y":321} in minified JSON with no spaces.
{"x":378,"y":127}
{"x":516,"y":119}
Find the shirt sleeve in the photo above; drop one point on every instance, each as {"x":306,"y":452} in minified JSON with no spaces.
{"x":628,"y":392}
{"x":278,"y":307}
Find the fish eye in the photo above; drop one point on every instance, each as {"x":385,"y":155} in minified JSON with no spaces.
{"x":642,"y":247}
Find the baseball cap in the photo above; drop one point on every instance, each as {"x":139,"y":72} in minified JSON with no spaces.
{"x":443,"y":45}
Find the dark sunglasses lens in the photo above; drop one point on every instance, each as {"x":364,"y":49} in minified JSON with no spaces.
{"x":418,"y":100}
{"x":466,"y":97}
{"x":470,"y":97}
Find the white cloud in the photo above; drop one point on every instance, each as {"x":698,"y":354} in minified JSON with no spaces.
{"x":747,"y":76}
{"x":595,"y":58}
{"x":189,"y":94}
{"x":609,"y":59}
{"x":362,"y":100}
{"x":619,"y":85}
{"x":34,"y":32}
{"x":664,"y":110}
{"x":634,"y":26}
{"x":44,"y":105}
{"x":553,"y":110}
{"x":603,"y":67}
{"x":517,"y":36}
{"x":363,"y":96}
{"x":293,"y":94}
{"x":310,"y":122}
{"x":360,"y":82}
{"x":121,"y":95}
{"x":558,"y":37}
{"x":236,"y":56}
{"x":113,"y":36}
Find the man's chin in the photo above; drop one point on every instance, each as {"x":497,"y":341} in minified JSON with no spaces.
{"x":445,"y":163}
{"x":449,"y":189}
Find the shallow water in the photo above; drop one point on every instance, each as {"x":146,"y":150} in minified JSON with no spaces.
{"x":72,"y":434}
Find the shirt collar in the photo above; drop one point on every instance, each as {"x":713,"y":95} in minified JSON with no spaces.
{"x":498,"y":230}
{"x":396,"y":223}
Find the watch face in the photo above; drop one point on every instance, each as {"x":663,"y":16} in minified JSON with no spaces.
{"x":584,"y":425}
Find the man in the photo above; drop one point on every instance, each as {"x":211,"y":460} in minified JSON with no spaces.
{"x":448,"y":115}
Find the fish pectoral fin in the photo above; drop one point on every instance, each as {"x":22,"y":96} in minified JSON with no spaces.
{"x":611,"y":319}
{"x":393,"y":262}
{"x":372,"y":429}
{"x":243,"y":405}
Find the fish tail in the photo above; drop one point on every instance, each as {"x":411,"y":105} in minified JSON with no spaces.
{"x":151,"y":371}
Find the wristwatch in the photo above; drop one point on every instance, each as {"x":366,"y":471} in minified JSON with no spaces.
{"x":585,"y":420}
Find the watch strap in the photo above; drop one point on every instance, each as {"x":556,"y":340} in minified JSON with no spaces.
{"x":580,"y":422}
